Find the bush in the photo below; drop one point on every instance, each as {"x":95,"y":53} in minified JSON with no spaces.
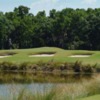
{"x":77,"y":67}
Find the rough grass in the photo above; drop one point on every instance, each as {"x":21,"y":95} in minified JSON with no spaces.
{"x":60,"y":55}
{"x":50,"y":67}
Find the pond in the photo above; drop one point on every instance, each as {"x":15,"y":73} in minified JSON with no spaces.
{"x":13,"y":83}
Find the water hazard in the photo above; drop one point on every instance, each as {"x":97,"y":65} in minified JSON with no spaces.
{"x":13,"y":83}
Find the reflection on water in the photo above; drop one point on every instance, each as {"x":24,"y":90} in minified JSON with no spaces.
{"x":27,"y":78}
{"x":13,"y":83}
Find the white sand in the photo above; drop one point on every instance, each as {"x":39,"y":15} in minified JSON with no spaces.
{"x":79,"y":56}
{"x":5,"y":56}
{"x":42,"y":55}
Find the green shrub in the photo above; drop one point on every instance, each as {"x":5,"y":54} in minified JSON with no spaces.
{"x":77,"y":66}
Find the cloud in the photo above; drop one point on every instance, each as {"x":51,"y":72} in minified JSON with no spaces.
{"x":47,"y":5}
{"x":89,"y":1}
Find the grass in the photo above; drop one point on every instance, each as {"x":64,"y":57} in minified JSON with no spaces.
{"x":20,"y":60}
{"x":22,"y":55}
{"x":94,"y":97}
{"x":49,"y":67}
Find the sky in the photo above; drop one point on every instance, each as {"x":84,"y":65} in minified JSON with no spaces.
{"x":47,"y":5}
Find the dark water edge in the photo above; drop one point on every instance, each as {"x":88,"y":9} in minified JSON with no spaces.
{"x":29,"y":77}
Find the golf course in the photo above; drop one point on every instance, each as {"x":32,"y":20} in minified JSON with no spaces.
{"x":59,"y":55}
{"x":50,"y":50}
{"x":20,"y":65}
{"x":50,"y":59}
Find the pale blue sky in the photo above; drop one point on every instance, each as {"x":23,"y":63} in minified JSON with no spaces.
{"x":47,"y":5}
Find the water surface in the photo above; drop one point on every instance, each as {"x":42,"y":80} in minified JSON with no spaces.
{"x":12,"y":83}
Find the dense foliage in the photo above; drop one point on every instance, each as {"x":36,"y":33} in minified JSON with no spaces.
{"x":69,"y":29}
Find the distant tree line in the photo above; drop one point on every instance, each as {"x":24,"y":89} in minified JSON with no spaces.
{"x":68,"y":29}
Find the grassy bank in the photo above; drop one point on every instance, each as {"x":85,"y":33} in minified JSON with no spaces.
{"x":61,"y":60}
{"x":50,"y":67}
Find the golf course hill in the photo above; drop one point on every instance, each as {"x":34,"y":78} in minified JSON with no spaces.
{"x":49,"y":59}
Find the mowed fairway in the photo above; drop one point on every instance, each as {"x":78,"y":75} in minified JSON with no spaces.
{"x":61,"y":55}
{"x":95,"y":97}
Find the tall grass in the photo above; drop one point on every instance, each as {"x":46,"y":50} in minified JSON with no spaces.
{"x":49,"y":67}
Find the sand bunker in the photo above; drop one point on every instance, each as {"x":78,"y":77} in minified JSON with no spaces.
{"x":5,"y":56}
{"x":76,"y":56}
{"x":42,"y":55}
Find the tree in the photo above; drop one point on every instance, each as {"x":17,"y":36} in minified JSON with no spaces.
{"x":22,"y":11}
{"x":5,"y":29}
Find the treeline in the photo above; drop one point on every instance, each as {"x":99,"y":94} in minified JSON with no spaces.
{"x":68,"y":29}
